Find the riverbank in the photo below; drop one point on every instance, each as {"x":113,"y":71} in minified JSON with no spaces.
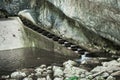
{"x":69,"y":70}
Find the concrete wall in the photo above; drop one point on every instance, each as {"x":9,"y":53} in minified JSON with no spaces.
{"x":12,"y":34}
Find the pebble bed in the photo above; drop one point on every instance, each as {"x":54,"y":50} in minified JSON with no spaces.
{"x":70,"y":70}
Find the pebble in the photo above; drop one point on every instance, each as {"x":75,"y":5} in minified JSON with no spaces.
{"x":48,"y":77}
{"x":27,"y":78}
{"x":70,"y":70}
{"x":41,"y":78}
{"x":43,"y":66}
{"x":56,"y":78}
{"x":17,"y":75}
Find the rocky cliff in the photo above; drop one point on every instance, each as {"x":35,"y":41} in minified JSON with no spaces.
{"x":93,"y":24}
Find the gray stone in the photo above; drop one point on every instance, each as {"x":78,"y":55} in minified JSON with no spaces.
{"x":58,"y":72}
{"x":105,"y":75}
{"x":5,"y":76}
{"x":56,"y":78}
{"x":69,"y":63}
{"x":118,"y":59}
{"x":27,"y":79}
{"x":38,"y":69}
{"x":49,"y":71}
{"x":18,"y":74}
{"x":41,"y":78}
{"x":38,"y":74}
{"x":110,"y":78}
{"x":82,"y":76}
{"x":111,"y":63}
{"x":109,"y":69}
{"x":73,"y":71}
{"x":117,"y":73}
{"x":43,"y":66}
{"x":48,"y":77}
{"x":49,"y":68}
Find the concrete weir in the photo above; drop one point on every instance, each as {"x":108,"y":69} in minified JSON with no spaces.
{"x":14,"y":34}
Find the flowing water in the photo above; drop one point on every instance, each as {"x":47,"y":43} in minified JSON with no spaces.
{"x":10,"y":60}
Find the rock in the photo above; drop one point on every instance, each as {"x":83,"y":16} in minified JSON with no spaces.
{"x":91,"y":61}
{"x":104,"y":69}
{"x":27,"y":79}
{"x":56,"y":78}
{"x":31,"y":75}
{"x":41,"y":78}
{"x":98,"y":69}
{"x":38,"y":69}
{"x":18,"y":75}
{"x":28,"y":71}
{"x":99,"y":78}
{"x":111,"y":63}
{"x":73,"y":71}
{"x":105,"y":75}
{"x":110,"y":78}
{"x":69,"y":63}
{"x":58,"y":72}
{"x":43,"y":66}
{"x":5,"y":76}
{"x":44,"y":74}
{"x":118,"y":59}
{"x":44,"y":69}
{"x":49,"y":68}
{"x":48,"y":77}
{"x":38,"y":74}
{"x":117,"y":73}
{"x":82,"y":76}
{"x":49,"y":71}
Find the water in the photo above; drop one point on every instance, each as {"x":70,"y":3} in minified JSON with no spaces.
{"x":10,"y":60}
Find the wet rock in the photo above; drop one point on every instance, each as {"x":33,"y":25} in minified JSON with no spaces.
{"x":105,"y":75}
{"x":73,"y":71}
{"x":44,"y":74}
{"x":118,"y":59}
{"x":5,"y":76}
{"x":49,"y":71}
{"x":38,"y":74}
{"x":98,"y":69}
{"x":41,"y":79}
{"x":99,"y":78}
{"x":18,"y":75}
{"x":27,"y":79}
{"x":49,"y":68}
{"x":111,"y":63}
{"x":38,"y":69}
{"x":115,"y":74}
{"x":82,"y":75}
{"x":58,"y":72}
{"x":43,"y":66}
{"x":57,"y":78}
{"x":48,"y":77}
{"x":69,"y":63}
{"x":110,"y":78}
{"x":109,"y":69}
{"x":91,"y":61}
{"x":28,"y":71}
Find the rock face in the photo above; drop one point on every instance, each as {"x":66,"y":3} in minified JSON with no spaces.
{"x":86,"y":22}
